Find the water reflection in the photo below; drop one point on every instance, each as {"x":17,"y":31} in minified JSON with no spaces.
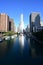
{"x":21,"y":48}
{"x":21,"y":45}
{"x":5,"y":46}
{"x":21,"y":40}
{"x":36,"y":48}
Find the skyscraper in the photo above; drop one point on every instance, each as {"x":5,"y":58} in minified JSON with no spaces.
{"x":6,"y":23}
{"x":34,"y":21}
{"x":21,"y":25}
{"x":11,"y":24}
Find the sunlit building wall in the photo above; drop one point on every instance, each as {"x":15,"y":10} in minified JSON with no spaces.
{"x":4,"y":22}
{"x":21,"y":25}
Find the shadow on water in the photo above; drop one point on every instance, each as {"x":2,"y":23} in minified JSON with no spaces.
{"x":36,"y":48}
{"x":5,"y":47}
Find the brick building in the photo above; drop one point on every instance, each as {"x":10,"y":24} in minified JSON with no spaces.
{"x":6,"y":24}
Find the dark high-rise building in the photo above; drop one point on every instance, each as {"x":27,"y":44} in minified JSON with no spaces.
{"x":11,"y":24}
{"x":34,"y":21}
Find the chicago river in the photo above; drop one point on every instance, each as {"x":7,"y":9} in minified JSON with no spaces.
{"x":21,"y":49}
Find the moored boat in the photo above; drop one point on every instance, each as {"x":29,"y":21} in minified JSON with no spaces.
{"x":1,"y":39}
{"x":7,"y":38}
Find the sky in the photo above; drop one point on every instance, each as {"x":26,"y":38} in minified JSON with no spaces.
{"x":14,"y":8}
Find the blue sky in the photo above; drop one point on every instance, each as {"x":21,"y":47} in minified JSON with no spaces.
{"x":14,"y":8}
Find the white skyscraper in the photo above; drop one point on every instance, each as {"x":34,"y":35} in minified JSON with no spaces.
{"x":21,"y":25}
{"x":21,"y":18}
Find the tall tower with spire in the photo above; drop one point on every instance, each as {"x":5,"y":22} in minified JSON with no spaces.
{"x":21,"y":23}
{"x":21,"y":18}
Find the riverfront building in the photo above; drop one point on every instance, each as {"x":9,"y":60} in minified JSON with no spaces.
{"x":6,"y":24}
{"x":11,"y":24}
{"x":34,"y":21}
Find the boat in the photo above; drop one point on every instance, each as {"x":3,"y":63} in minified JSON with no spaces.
{"x":13,"y":36}
{"x":1,"y":39}
{"x":7,"y":38}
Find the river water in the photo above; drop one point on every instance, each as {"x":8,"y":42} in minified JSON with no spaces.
{"x":21,"y":50}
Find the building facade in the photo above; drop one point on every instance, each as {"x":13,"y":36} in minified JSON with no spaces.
{"x":34,"y":21}
{"x":11,"y":24}
{"x":21,"y":25}
{"x":6,"y":24}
